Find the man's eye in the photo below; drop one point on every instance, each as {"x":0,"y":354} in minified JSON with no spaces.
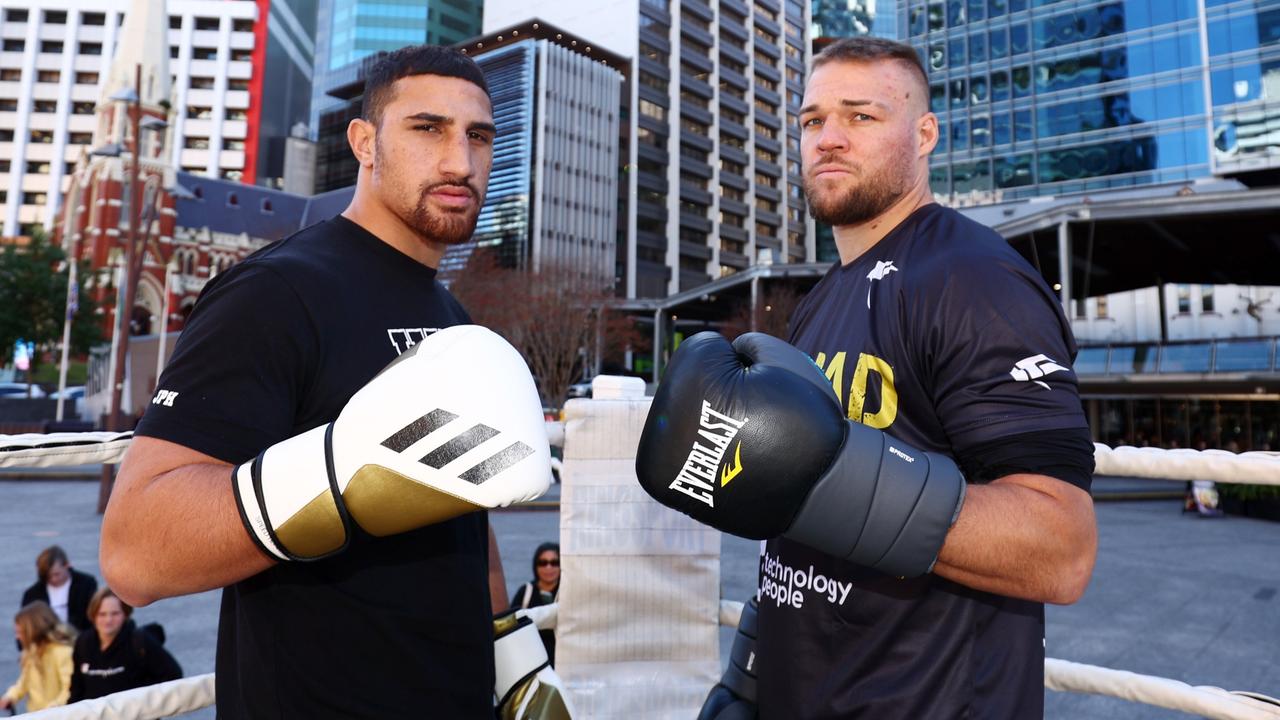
{"x":481,"y":137}
{"x":862,"y":117}
{"x":428,"y":128}
{"x":811,"y":122}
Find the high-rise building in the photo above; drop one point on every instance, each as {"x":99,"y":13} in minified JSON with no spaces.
{"x":54,"y":60}
{"x":284,"y":56}
{"x":835,"y":19}
{"x":1053,"y":96}
{"x":348,"y":34}
{"x":714,"y":167}
{"x":553,"y":192}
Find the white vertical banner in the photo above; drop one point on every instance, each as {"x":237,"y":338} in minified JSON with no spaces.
{"x":639,"y":599}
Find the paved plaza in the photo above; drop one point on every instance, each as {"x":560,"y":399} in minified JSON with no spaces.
{"x":1173,"y":595}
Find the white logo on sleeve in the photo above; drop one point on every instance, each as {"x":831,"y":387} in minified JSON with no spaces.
{"x":880,"y":272}
{"x":1036,"y":366}
{"x":164,"y":397}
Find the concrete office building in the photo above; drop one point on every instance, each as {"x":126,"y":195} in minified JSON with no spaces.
{"x":553,"y":191}
{"x":714,"y":169}
{"x":53,"y":71}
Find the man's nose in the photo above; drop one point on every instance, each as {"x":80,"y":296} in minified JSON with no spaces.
{"x":456,"y":160}
{"x":832,"y":137}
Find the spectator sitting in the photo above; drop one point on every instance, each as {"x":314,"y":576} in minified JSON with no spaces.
{"x":115,"y":655}
{"x":46,"y":659}
{"x":64,"y":589}
{"x":542,"y":589}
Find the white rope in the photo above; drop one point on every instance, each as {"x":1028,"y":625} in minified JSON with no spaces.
{"x":1209,"y":702}
{"x":60,"y":449}
{"x":1258,"y":468}
{"x":145,"y":703}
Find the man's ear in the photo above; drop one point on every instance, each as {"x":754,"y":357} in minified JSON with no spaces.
{"x":927,"y":134}
{"x":361,"y":135}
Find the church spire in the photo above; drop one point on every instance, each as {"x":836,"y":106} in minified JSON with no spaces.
{"x":144,"y":42}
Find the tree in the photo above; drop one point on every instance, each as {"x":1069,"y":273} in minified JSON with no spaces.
{"x":33,"y":301}
{"x":775,"y":305}
{"x":558,"y":318}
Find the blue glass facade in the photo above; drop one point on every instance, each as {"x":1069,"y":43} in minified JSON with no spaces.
{"x":1059,"y":96}
{"x":348,"y":32}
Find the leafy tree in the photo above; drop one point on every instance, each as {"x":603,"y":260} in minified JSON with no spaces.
{"x":557,"y":318}
{"x":33,"y":301}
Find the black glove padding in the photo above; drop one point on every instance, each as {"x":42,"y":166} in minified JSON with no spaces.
{"x":734,"y":697}
{"x":750,"y":438}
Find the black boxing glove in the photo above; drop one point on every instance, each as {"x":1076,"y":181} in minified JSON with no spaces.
{"x":750,"y":439}
{"x":734,"y":697}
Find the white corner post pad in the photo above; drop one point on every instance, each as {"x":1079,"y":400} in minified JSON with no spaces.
{"x":281,"y":481}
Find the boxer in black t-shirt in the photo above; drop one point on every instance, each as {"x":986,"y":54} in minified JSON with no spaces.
{"x":395,"y":620}
{"x":928,"y":495}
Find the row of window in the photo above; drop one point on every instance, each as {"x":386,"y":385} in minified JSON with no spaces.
{"x":1169,"y":150}
{"x":1086,"y":114}
{"x":1089,"y":21}
{"x":1133,"y":59}
{"x":95,"y":19}
{"x":197,"y":82}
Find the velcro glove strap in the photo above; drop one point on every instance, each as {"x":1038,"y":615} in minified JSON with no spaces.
{"x":882,"y":504}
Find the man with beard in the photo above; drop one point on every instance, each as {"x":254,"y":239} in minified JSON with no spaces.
{"x":932,"y":330}
{"x":384,"y":625}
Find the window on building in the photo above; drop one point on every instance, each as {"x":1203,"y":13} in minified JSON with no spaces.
{"x":693,"y":180}
{"x":1206,"y":298}
{"x":8,"y":105}
{"x":175,"y":22}
{"x":51,"y":46}
{"x":733,"y":219}
{"x":233,"y":145}
{"x":237,"y":84}
{"x":653,"y":110}
{"x":207,"y":23}
{"x":694,"y":72}
{"x":10,"y":74}
{"x":732,"y":141}
{"x":1184,"y":299}
{"x":649,"y":137}
{"x":237,"y":114}
{"x":174,"y":52}
{"x":695,"y":127}
{"x":653,"y":81}
{"x":688,"y":18}
{"x":204,"y":53}
{"x":94,"y":19}
{"x":693,"y":153}
{"x":763,"y":130}
{"x":196,"y":143}
{"x":766,"y":155}
{"x":48,"y":76}
{"x":655,"y":54}
{"x":242,"y":25}
{"x":38,"y":168}
{"x":80,"y":138}
{"x":729,"y":63}
{"x":42,"y":136}
{"x":15,"y":16}
{"x":86,"y":78}
{"x":241,"y":55}
{"x":766,"y":204}
{"x":14,"y":45}
{"x":199,"y":113}
{"x":766,"y":107}
{"x":233,"y":200}
{"x":201,"y":83}
{"x":34,"y":198}
{"x":736,"y":168}
{"x":6,"y":135}
{"x":731,"y":193}
{"x":90,"y":48}
{"x":45,"y":106}
{"x":1102,"y":307}
{"x":766,"y":180}
{"x":55,"y":17}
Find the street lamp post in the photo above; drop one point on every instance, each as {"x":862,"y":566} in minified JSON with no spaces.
{"x":133,"y":259}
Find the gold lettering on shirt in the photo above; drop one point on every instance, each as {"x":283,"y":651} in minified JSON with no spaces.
{"x":867,"y":364}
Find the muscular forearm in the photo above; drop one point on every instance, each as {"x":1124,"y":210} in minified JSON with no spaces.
{"x":172,"y":526}
{"x":1025,"y":536}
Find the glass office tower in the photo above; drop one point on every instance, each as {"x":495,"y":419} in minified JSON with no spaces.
{"x":1060,"y":96}
{"x":349,"y":33}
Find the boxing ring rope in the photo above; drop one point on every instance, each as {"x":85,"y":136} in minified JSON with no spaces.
{"x":195,"y":693}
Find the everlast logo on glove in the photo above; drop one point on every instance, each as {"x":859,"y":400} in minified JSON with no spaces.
{"x":698,"y":474}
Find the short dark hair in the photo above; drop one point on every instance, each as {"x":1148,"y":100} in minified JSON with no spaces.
{"x":872,"y":49}
{"x":410,"y":61}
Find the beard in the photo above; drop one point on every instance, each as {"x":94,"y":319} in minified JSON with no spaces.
{"x":447,"y":226}
{"x":863,"y":199}
{"x":450,"y":226}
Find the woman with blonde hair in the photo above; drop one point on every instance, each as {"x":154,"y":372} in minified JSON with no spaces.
{"x":46,"y":659}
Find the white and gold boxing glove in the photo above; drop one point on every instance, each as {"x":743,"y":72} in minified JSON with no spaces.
{"x":451,"y":426}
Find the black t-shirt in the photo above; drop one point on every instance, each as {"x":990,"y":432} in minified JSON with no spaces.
{"x":276,"y":346}
{"x":945,"y":338}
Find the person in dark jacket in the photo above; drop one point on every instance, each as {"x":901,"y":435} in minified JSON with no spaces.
{"x":63,"y":588}
{"x":115,"y":654}
{"x":542,"y":589}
